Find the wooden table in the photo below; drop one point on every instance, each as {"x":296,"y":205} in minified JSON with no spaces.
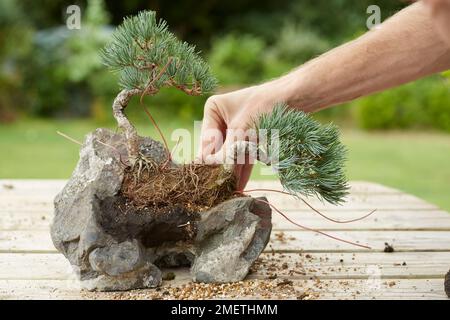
{"x":317,"y":267}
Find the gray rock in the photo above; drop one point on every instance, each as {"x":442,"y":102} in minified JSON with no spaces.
{"x":229,"y":239}
{"x":111,"y":250}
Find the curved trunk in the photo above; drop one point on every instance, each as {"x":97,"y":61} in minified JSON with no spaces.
{"x":119,"y":104}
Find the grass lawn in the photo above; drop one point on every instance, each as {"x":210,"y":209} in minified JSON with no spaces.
{"x":415,"y":162}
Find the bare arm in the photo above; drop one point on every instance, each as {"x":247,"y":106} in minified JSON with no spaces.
{"x":406,"y":47}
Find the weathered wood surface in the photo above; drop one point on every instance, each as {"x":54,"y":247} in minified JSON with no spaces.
{"x":30,"y":267}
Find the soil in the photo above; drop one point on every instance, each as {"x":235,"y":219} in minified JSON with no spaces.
{"x":388,"y":248}
{"x":122,"y":220}
{"x":195,"y":187}
{"x":159,"y":204}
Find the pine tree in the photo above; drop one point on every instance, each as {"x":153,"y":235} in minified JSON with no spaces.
{"x":310,"y":155}
{"x":147,"y":56}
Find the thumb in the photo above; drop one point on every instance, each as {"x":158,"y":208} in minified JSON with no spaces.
{"x":212,"y":131}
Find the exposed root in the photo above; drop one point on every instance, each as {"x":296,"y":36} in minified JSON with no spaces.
{"x":312,"y":208}
{"x":196,"y":187}
{"x":140,"y":165}
{"x":310,"y":229}
{"x":149,"y":115}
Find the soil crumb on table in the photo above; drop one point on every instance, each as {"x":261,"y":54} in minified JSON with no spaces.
{"x":388,"y":248}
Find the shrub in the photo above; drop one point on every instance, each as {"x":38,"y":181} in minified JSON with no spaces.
{"x":64,"y":71}
{"x":424,"y":103}
{"x":237,"y":59}
{"x":438,"y":105}
{"x":246,"y":59}
{"x":15,"y":40}
{"x":294,"y":46}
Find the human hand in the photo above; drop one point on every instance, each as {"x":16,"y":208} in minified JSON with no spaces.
{"x":226,"y":119}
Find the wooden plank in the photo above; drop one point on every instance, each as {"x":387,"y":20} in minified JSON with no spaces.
{"x":381,"y":220}
{"x":29,"y":194}
{"x":40,"y":241}
{"x":395,"y":289}
{"x":397,"y":265}
{"x":378,"y":221}
{"x":316,"y":288}
{"x":39,"y":289}
{"x":362,"y":196}
{"x":355,"y":186}
{"x":401,"y":240}
{"x":44,"y":188}
{"x":305,"y":289}
{"x":13,"y":220}
{"x":26,"y":241}
{"x":354,"y":201}
{"x":35,"y":266}
{"x":26,"y":211}
{"x":55,"y":185}
{"x":32,"y":184}
{"x":26,"y":205}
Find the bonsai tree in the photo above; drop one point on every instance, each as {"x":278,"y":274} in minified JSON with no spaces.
{"x":307,"y":156}
{"x":148,"y":57}
{"x":310,"y":155}
{"x":132,"y":217}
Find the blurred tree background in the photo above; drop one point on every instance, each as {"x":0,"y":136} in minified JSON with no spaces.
{"x":53,"y":74}
{"x":47,"y":70}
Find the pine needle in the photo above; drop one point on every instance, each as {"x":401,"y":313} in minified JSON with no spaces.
{"x":310,"y":155}
{"x":148,"y":56}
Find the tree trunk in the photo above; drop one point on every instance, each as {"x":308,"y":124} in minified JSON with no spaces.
{"x":119,"y":104}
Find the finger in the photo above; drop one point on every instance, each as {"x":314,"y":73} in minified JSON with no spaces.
{"x":232,"y":152}
{"x":237,"y":173}
{"x":212,"y":131}
{"x":225,"y":154}
{"x":242,"y":166}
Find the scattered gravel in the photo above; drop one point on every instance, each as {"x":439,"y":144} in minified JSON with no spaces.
{"x":272,"y":276}
{"x":261,"y":289}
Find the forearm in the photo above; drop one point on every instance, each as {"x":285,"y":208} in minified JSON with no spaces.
{"x":404,"y":48}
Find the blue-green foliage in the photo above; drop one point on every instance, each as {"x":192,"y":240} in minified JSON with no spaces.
{"x":311,"y":154}
{"x":144,"y":51}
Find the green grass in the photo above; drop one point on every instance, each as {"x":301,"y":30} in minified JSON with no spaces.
{"x":415,"y":162}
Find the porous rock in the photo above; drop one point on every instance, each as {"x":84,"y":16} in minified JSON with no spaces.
{"x":113,"y":247}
